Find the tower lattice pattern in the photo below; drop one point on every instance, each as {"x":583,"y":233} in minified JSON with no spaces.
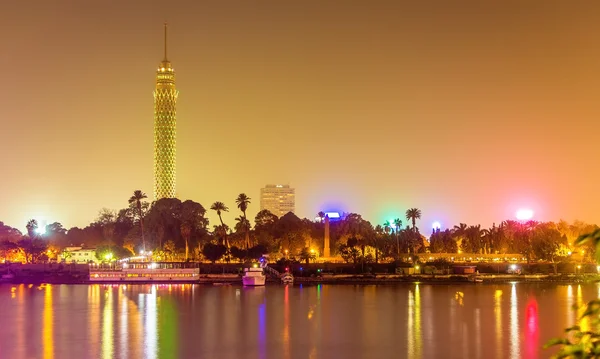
{"x":165,"y":132}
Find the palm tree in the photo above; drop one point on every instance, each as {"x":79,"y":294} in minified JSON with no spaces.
{"x":398,"y":224}
{"x":186,"y":231}
{"x":221,"y":207}
{"x":412,"y":215}
{"x":242,"y":224}
{"x":321,"y":215}
{"x":242,"y":202}
{"x":32,"y":227}
{"x":136,"y":201}
{"x":387,"y":226}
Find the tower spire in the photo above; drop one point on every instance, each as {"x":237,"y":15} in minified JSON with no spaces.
{"x":165,"y":42}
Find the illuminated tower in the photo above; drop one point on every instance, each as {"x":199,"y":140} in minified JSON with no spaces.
{"x":165,"y":129}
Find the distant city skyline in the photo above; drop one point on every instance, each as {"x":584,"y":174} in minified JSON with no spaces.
{"x":466,"y":111}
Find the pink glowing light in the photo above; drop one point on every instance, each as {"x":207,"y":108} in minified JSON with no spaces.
{"x":524,"y":214}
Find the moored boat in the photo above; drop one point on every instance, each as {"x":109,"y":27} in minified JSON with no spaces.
{"x":7,"y":278}
{"x":254,"y":277}
{"x":146,"y":272}
{"x":477,"y":279}
{"x":287,"y":278}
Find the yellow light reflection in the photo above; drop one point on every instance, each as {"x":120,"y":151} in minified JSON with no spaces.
{"x":418,"y":333}
{"x":498,"y":315}
{"x":581,"y":307}
{"x":570,"y":303}
{"x":107,"y":325}
{"x":409,"y":329}
{"x":459,"y":297}
{"x":515,"y":350}
{"x":414,"y":323}
{"x":48,"y":324}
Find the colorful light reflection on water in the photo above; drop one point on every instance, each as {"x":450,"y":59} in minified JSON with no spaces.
{"x":417,"y":321}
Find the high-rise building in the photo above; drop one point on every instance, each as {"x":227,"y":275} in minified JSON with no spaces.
{"x":279,"y":199}
{"x":165,"y":129}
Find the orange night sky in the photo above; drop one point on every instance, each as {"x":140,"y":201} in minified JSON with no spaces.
{"x":467,"y":110}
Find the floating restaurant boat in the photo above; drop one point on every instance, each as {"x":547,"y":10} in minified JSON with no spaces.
{"x":145,"y":272}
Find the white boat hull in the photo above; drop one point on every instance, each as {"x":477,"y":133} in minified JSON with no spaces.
{"x":254,"y":280}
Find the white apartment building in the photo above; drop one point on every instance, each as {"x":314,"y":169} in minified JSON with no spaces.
{"x":279,"y":199}
{"x":79,"y":255}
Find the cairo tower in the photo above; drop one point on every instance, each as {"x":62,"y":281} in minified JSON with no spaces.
{"x":165,"y":129}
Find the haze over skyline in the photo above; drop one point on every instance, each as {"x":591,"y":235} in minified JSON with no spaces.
{"x":467,"y":111}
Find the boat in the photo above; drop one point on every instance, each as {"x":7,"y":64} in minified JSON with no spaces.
{"x":254,"y":277}
{"x":477,"y":279}
{"x":287,"y":278}
{"x":127,"y":272}
{"x":7,"y":278}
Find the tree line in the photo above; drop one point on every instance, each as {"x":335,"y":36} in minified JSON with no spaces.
{"x":175,"y":230}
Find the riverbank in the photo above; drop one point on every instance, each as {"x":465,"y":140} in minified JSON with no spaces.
{"x":233,"y":279}
{"x":448,"y":279}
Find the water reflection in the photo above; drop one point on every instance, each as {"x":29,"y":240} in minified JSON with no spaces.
{"x":48,"y":325}
{"x":581,"y":307}
{"x":94,"y":317}
{"x":515,"y":350}
{"x":150,"y":338}
{"x":20,"y":325}
{"x":410,"y":325}
{"x":262,"y":330}
{"x":570,"y":303}
{"x":414,"y":334}
{"x":418,"y":334}
{"x":498,"y":316}
{"x":286,"y":322}
{"x":167,"y":327}
{"x":107,"y":325}
{"x":124,"y":323}
{"x":345,"y":321}
{"x":531,"y":329}
{"x":478,"y":332}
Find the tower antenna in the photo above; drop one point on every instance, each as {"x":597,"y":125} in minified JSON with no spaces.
{"x":165,"y":41}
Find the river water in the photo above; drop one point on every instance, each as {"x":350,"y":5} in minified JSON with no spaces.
{"x":281,"y":322}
